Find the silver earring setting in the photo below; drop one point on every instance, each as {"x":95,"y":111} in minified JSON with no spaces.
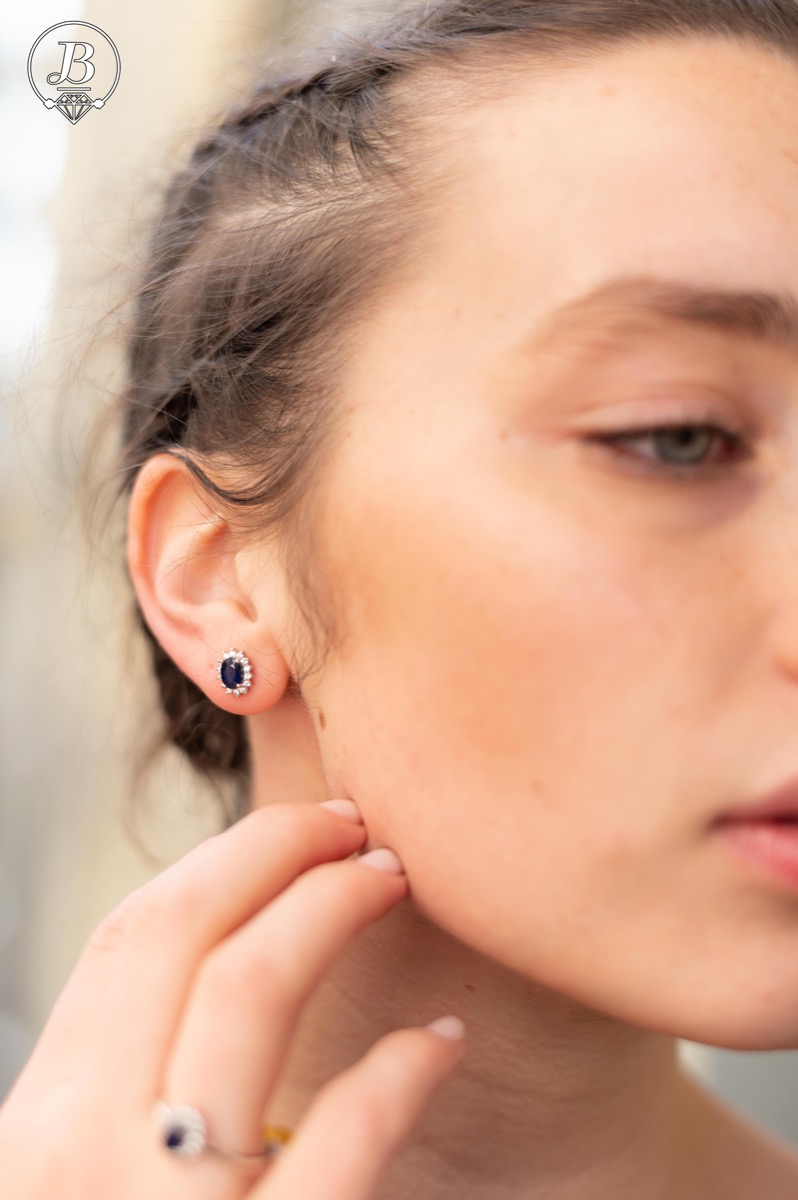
{"x":234,"y":672}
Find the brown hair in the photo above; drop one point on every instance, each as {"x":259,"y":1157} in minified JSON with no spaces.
{"x":294,"y":211}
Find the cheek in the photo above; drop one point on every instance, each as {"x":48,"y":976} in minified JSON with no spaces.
{"x":494,"y":682}
{"x":501,"y":652}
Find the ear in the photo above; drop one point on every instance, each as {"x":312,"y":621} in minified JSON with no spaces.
{"x":187,"y":574}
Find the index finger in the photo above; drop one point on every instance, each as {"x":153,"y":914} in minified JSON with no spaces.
{"x":109,"y":1011}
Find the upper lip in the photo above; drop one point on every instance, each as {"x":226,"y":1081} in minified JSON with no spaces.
{"x":781,"y":802}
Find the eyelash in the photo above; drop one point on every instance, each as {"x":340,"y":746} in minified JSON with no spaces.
{"x":735,"y":441}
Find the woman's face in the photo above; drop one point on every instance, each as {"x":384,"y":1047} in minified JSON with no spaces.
{"x":564,"y":662}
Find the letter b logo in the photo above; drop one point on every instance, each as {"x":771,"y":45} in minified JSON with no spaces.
{"x":70,"y":59}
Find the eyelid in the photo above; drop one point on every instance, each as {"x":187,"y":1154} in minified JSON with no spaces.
{"x":648,"y":415}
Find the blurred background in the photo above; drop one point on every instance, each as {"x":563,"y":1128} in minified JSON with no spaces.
{"x":75,"y":691}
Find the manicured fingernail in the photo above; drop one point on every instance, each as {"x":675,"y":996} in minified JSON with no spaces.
{"x":344,"y":808}
{"x":382,"y":859}
{"x":448,"y":1027}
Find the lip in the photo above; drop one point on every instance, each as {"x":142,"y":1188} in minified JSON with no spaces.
{"x":765,"y":845}
{"x":781,"y":802}
{"x":763,"y":834}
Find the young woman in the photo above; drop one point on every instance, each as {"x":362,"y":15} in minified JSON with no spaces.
{"x":461,"y":448}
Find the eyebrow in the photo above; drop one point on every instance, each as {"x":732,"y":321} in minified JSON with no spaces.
{"x":624,"y":304}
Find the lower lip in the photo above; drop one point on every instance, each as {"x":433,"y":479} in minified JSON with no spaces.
{"x":768,"y":844}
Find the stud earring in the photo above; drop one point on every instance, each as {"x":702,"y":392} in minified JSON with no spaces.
{"x":234,"y":672}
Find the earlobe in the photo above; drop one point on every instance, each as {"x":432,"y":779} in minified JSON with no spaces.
{"x":182,"y":563}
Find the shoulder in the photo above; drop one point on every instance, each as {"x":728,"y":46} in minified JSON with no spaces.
{"x":742,"y":1160}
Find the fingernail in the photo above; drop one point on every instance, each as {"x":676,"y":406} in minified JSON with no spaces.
{"x":448,"y":1027}
{"x":382,"y":859}
{"x":344,"y":808}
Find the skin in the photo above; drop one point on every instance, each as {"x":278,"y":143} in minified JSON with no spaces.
{"x":559,"y":669}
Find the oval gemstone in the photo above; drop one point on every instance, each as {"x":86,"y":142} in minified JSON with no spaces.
{"x":232,"y":673}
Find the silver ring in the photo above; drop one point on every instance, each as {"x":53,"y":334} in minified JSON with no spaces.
{"x":184,"y":1132}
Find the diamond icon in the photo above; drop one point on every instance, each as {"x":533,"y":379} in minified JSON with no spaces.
{"x":73,"y":105}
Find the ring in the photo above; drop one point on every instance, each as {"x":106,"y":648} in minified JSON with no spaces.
{"x":184,"y":1132}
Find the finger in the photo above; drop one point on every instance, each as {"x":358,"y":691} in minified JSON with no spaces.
{"x":361,"y":1119}
{"x":249,"y":992}
{"x":120,"y":1008}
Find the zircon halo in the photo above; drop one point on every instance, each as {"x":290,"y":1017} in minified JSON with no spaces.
{"x":183,"y":1130}
{"x":234,"y":672}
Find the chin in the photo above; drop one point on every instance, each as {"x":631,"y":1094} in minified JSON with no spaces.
{"x":758,"y":1033}
{"x":755,"y":1021}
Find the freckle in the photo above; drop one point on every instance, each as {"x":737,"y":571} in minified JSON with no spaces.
{"x":469,"y":987}
{"x":608,"y":90}
{"x":322,"y":719}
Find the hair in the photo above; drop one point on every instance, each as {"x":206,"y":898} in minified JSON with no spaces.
{"x":299,"y":206}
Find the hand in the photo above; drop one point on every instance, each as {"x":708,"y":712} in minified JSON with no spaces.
{"x":189,"y":992}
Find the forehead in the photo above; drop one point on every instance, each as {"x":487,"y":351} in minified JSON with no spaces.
{"x":670,"y":158}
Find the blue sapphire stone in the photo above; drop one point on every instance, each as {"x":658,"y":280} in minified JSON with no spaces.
{"x":232,"y":673}
{"x":174,"y":1138}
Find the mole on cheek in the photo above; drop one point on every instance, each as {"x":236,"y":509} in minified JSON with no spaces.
{"x":322,"y":719}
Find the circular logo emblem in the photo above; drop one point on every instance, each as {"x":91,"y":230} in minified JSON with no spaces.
{"x":73,"y":67}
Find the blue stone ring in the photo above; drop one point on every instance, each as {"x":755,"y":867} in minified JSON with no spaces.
{"x":234,"y":672}
{"x":183,"y":1131}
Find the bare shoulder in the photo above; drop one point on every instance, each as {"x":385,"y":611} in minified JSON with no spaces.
{"x":742,"y":1160}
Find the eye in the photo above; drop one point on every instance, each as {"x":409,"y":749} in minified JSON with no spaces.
{"x":686,"y":448}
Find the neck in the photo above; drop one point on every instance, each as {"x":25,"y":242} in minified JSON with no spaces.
{"x":551,"y":1099}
